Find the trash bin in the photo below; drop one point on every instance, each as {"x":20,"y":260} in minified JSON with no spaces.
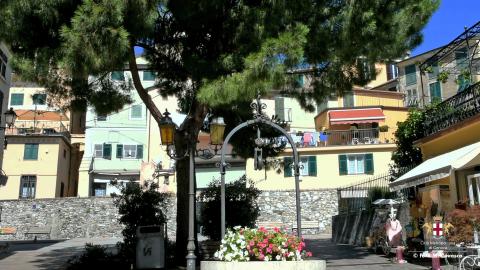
{"x":150,"y":247}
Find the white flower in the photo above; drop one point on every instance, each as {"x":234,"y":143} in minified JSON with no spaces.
{"x":278,"y":257}
{"x":290,"y":254}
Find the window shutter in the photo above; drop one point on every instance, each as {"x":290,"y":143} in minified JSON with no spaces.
{"x":287,"y":169}
{"x":312,"y":166}
{"x":342,"y":164}
{"x":369,"y":163}
{"x":139,"y":151}
{"x":119,"y":150}
{"x":107,"y":151}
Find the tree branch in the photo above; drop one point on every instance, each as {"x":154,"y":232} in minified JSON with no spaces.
{"x":146,"y":98}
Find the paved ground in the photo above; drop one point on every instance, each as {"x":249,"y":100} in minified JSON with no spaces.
{"x":54,"y":255}
{"x":347,"y":257}
{"x":46,"y":255}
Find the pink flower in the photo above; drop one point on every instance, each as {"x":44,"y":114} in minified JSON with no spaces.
{"x":269,"y":250}
{"x":309,"y":254}
{"x":251,"y":243}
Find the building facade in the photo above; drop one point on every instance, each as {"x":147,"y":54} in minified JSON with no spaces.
{"x":115,"y":144}
{"x":353,"y":138}
{"x":5,"y":80}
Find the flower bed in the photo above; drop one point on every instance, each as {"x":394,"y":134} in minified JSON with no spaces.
{"x":261,"y":249}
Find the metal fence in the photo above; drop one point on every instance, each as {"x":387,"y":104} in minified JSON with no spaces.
{"x":361,"y":195}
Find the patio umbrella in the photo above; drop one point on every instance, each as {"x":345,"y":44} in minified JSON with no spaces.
{"x":386,"y":202}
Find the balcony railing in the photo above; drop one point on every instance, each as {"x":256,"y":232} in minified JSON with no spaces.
{"x":342,"y":137}
{"x":38,"y":128}
{"x":453,"y":110}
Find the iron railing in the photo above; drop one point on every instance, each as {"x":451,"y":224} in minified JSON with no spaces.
{"x":343,"y":137}
{"x":360,"y":196}
{"x":453,"y":110}
{"x":38,"y":128}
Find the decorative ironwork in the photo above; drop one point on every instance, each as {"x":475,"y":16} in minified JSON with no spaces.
{"x":453,"y":110}
{"x":258,"y":106}
{"x":470,"y":262}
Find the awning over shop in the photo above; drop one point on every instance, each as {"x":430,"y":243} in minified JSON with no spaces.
{"x":356,"y":116}
{"x":439,"y":167}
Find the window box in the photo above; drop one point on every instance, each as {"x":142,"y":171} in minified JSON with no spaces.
{"x":258,"y":265}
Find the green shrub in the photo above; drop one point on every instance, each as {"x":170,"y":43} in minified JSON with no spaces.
{"x":241,"y":206}
{"x":138,"y":206}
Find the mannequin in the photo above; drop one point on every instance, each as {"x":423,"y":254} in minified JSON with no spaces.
{"x":394,"y":234}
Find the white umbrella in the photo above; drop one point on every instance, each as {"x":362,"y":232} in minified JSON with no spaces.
{"x":386,"y":202}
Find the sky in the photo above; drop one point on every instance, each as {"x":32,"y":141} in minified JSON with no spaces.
{"x":448,"y":22}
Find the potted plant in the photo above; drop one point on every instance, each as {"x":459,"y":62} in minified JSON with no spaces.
{"x":383,"y":128}
{"x":245,"y":248}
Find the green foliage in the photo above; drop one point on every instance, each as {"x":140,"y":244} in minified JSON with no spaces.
{"x":138,"y":206}
{"x":407,"y":154}
{"x":443,"y":76}
{"x":241,"y":206}
{"x":97,"y":257}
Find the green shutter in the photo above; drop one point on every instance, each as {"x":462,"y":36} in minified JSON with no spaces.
{"x":287,"y":168}
{"x":139,"y":151}
{"x":107,"y":151}
{"x":312,"y":166}
{"x":119,"y":150}
{"x":16,"y":99}
{"x":136,"y":111}
{"x":435,"y":92}
{"x":30,"y":151}
{"x":410,"y":75}
{"x":118,"y":76}
{"x":149,"y":75}
{"x":342,"y":164}
{"x":369,"y":163}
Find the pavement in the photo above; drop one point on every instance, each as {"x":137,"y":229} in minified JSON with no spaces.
{"x":43,"y":255}
{"x":348,"y":257}
{"x":53,"y":255}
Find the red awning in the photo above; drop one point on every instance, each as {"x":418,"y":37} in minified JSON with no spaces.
{"x":356,"y":116}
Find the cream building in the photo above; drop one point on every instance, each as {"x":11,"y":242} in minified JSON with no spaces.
{"x":5,"y":79}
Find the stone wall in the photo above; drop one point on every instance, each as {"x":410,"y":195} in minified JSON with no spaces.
{"x":98,"y":217}
{"x":67,"y":217}
{"x":316,"y":205}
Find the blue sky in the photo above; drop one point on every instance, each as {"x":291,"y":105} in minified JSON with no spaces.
{"x":448,"y":22}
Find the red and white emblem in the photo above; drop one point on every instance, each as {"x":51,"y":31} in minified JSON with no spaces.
{"x":437,"y":229}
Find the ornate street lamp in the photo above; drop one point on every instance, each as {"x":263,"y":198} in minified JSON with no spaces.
{"x":10,"y":117}
{"x":167,"y":135}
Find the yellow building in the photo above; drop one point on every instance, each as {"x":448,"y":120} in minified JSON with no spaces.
{"x":353,"y":138}
{"x":37,"y":165}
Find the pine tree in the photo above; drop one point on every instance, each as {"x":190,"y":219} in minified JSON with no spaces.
{"x":212,"y":54}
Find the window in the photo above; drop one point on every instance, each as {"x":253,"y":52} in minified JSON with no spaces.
{"x":461,"y":59}
{"x":16,"y":99}
{"x":410,"y":75}
{"x":99,"y":189}
{"x":130,"y":151}
{"x":299,"y":81}
{"x":355,"y":164}
{"x":435,"y":92}
{"x":463,"y":82}
{"x":434,"y":74}
{"x":149,"y":76}
{"x":39,"y":99}
{"x":28,"y":184}
{"x":31,"y":151}
{"x":309,"y":164}
{"x":101,"y":117}
{"x":64,"y":153}
{"x":3,"y":64}
{"x":348,"y":101}
{"x":118,"y":76}
{"x":392,"y":71}
{"x":98,"y":150}
{"x":136,"y":112}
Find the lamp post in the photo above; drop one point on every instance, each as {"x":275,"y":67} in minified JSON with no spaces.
{"x":167,"y":132}
{"x":10,"y":117}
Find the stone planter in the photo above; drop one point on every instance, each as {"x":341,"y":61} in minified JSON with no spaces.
{"x":298,"y":265}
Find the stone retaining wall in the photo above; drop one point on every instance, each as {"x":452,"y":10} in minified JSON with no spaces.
{"x":316,"y":205}
{"x":98,"y":217}
{"x":67,"y":217}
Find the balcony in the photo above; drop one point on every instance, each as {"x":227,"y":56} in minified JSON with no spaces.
{"x":342,"y":138}
{"x":49,"y":128}
{"x":453,"y":110}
